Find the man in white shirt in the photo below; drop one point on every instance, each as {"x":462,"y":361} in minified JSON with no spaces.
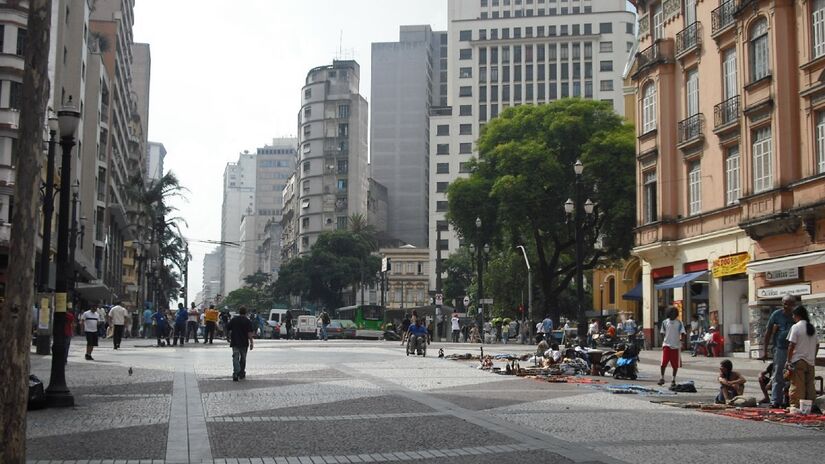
{"x":90,"y":322}
{"x":192,"y":323}
{"x":456,"y":327}
{"x":117,"y":317}
{"x":673,"y":331}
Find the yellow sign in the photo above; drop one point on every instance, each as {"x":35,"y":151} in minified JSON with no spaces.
{"x":60,"y":302}
{"x":731,"y":265}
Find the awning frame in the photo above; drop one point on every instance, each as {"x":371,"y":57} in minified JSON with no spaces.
{"x":680,"y":280}
{"x":810,"y":258}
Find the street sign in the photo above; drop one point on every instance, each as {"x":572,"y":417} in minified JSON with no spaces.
{"x":466,"y":301}
{"x":439,"y":299}
{"x":486,"y":301}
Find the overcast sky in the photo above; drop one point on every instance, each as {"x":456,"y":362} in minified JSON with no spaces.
{"x":227,"y":77}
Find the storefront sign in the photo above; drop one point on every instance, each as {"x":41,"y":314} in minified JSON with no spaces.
{"x":782,"y":274}
{"x":731,"y":265}
{"x":782,"y":290}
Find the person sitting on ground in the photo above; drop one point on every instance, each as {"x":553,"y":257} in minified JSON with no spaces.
{"x":731,"y":383}
{"x":474,"y":335}
{"x":554,"y":354}
{"x":541,"y":347}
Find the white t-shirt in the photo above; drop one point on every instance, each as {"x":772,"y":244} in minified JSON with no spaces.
{"x":118,"y":315}
{"x":455,"y":324}
{"x":593,"y":328}
{"x":193,"y":315}
{"x":90,"y":320}
{"x":672,"y":329}
{"x":805,"y":345}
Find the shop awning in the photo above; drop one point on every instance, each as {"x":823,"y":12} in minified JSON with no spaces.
{"x":95,"y":292}
{"x":785,"y":262}
{"x":634,"y":294}
{"x":680,"y":280}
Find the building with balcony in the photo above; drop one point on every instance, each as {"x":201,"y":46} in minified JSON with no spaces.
{"x":239,"y":180}
{"x":502,"y":54}
{"x":333,"y":171}
{"x":407,"y":282}
{"x":731,"y":160}
{"x":274,"y":164}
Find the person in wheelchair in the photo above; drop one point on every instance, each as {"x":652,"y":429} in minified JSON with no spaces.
{"x":418,"y":336}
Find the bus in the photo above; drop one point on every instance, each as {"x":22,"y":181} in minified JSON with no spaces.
{"x":365,"y":317}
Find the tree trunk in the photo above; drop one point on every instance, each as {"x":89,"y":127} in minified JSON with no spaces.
{"x":16,"y":313}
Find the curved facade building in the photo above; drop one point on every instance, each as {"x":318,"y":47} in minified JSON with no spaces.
{"x":333,"y":171}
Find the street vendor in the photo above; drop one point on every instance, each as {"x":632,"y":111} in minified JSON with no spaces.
{"x":541,"y":347}
{"x":731,"y":383}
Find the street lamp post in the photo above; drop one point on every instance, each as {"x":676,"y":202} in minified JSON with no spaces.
{"x":43,"y":337}
{"x":529,"y":287}
{"x":577,"y":209}
{"x":58,"y":394}
{"x":601,"y":300}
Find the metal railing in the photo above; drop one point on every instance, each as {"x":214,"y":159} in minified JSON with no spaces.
{"x":652,"y":55}
{"x":723,"y":16}
{"x":726,"y":112}
{"x":689,"y":38}
{"x":690,"y":128}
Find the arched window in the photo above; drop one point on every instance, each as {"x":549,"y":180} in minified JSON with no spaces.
{"x":818,"y":24}
{"x":649,"y":108}
{"x":611,"y":290}
{"x":759,"y":49}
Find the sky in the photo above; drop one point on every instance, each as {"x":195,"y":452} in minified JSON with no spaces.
{"x":227,"y":76}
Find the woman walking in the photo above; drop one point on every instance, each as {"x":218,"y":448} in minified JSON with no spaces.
{"x":802,"y":348}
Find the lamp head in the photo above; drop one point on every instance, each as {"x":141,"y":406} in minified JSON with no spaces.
{"x":486,"y":248}
{"x":472,"y":248}
{"x":54,"y":124}
{"x":589,"y":206}
{"x":69,"y":119}
{"x":569,"y":206}
{"x":578,"y":168}
{"x":478,"y":222}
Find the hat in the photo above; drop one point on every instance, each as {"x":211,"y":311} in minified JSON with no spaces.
{"x":712,"y":328}
{"x":609,"y":323}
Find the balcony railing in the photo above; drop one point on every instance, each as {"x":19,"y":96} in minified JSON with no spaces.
{"x":659,"y":52}
{"x":726,"y":112}
{"x":723,"y":16}
{"x":691,"y":128}
{"x":689,"y":38}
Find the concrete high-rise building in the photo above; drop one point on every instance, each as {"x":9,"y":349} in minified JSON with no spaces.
{"x":155,"y":155}
{"x":407,"y":78}
{"x":275,"y":163}
{"x":238,"y":200}
{"x":211,"y":276}
{"x":504,"y":54}
{"x":333,"y":171}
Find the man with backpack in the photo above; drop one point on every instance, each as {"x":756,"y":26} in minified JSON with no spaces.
{"x":674,"y":332}
{"x":324,"y":324}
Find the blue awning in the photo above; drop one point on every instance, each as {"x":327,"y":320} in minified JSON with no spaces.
{"x":634,"y":294}
{"x":680,"y":280}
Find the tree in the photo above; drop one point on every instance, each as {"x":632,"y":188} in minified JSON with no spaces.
{"x":524,"y":175}
{"x":15,"y":315}
{"x":459,"y":269}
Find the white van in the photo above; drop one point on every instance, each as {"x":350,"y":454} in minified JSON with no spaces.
{"x":305,"y":327}
{"x":276,"y":318}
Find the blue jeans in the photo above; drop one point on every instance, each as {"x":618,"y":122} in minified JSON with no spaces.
{"x":780,"y":357}
{"x":324,"y":331}
{"x":239,"y":360}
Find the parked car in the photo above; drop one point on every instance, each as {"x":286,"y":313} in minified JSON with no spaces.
{"x":305,"y":327}
{"x":338,"y":328}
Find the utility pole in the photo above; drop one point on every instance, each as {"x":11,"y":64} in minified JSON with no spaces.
{"x":186,"y":278}
{"x":43,"y":336}
{"x":16,"y":312}
{"x":438,"y":296}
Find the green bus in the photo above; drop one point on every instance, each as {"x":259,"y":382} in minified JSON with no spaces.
{"x":365,"y":317}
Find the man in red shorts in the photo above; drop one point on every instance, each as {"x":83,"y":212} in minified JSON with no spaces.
{"x":673,"y":331}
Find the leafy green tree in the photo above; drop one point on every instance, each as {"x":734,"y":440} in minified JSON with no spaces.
{"x":505,"y":280}
{"x":525,"y":174}
{"x":460,"y":276}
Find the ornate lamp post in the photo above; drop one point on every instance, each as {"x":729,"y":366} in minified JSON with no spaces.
{"x":43,"y":337}
{"x":578,"y":210}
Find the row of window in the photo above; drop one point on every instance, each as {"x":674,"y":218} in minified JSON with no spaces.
{"x":22,"y":35}
{"x":551,"y":31}
{"x":444,"y":168}
{"x":566,"y":51}
{"x":542,"y":73}
{"x":519,"y":13}
{"x":463,"y":148}
{"x":463,"y":129}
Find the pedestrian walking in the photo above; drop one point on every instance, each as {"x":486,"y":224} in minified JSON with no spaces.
{"x":674,"y":332}
{"x":181,"y":317}
{"x":456,"y":327}
{"x":547,"y":327}
{"x":324,"y":324}
{"x":241,"y":336}
{"x":147,"y":322}
{"x":211,"y":318}
{"x":162,"y":328}
{"x":288,"y":324}
{"x":224,"y":321}
{"x":802,"y":348}
{"x":117,"y":318}
{"x":505,"y":333}
{"x":776,"y":334}
{"x":192,"y":320}
{"x":91,"y":321}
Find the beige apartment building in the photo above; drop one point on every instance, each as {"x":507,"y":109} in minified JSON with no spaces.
{"x":730,"y":111}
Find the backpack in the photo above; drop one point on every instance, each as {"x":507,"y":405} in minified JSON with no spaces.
{"x":325,"y":317}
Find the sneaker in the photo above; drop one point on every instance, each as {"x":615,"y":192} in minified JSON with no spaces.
{"x":242,"y":375}
{"x":660,"y":382}
{"x":673,"y":384}
{"x":234,"y":378}
{"x":89,"y":357}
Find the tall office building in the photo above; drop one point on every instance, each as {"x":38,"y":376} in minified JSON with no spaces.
{"x":275,"y":163}
{"x":333,"y":170}
{"x":238,"y":200}
{"x":509,"y":53}
{"x":407,"y":78}
{"x":211,"y":276}
{"x":155,"y":154}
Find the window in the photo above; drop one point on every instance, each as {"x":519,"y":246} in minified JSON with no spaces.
{"x":606,"y":47}
{"x":442,"y":149}
{"x":692,"y":94}
{"x":442,"y":168}
{"x":307,"y":130}
{"x":342,"y":185}
{"x":341,"y":222}
{"x":305,"y":167}
{"x":649,"y":200}
{"x":465,"y":110}
{"x":21,"y":41}
{"x":629,"y":28}
{"x":15,"y":95}
{"x":818,"y":23}
{"x":308,"y":93}
{"x":441,"y":206}
{"x":762,"y":160}
{"x":465,"y":72}
{"x":305,"y":223}
{"x":730,"y":87}
{"x":694,"y":188}
{"x":820,"y":142}
{"x":465,"y":148}
{"x":732,"y":183}
{"x":611,"y":291}
{"x":343,"y":166}
{"x":464,"y":168}
{"x":307,"y":112}
{"x":465,"y":36}
{"x":658,"y":19}
{"x":305,"y":186}
{"x":2,"y":34}
{"x":443,"y":129}
{"x":606,"y":86}
{"x":759,"y":50}
{"x":343,"y":111}
{"x":649,"y":108}
{"x":605,"y":66}
{"x":465,"y":54}
{"x":465,"y":129}
{"x":465,"y":91}
{"x":605,"y":28}
{"x":441,"y":187}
